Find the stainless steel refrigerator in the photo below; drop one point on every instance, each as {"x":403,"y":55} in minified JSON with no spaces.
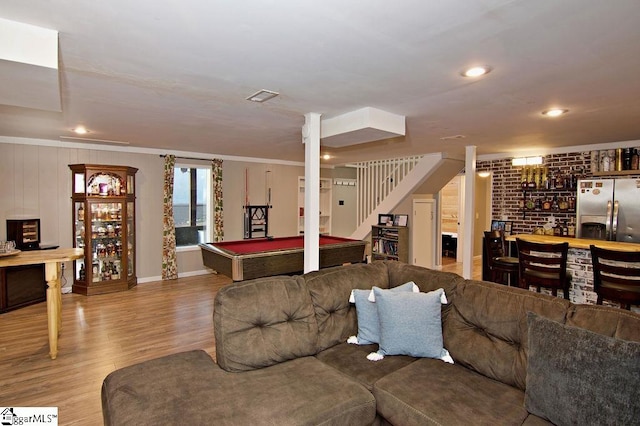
{"x":609,"y":209}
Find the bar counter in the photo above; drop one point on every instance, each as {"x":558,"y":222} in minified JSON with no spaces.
{"x":577,"y":243}
{"x":579,"y":264}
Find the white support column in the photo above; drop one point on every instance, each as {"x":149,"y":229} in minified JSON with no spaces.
{"x":311,"y":140}
{"x":469,"y":211}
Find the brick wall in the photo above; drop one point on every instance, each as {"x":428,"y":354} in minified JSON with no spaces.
{"x":507,"y":189}
{"x":507,"y":192}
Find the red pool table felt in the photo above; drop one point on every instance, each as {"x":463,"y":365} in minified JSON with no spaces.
{"x":273,"y":244}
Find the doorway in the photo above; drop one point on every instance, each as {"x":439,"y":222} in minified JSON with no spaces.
{"x":451,"y":214}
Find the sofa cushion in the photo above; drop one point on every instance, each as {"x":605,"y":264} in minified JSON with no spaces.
{"x":486,"y":329}
{"x":367,"y":312}
{"x":429,"y":391}
{"x":410,"y":323}
{"x":352,"y":361}
{"x":153,"y":391}
{"x":330,"y":289}
{"x":303,"y":391}
{"x":262,"y":322}
{"x":576,"y":376}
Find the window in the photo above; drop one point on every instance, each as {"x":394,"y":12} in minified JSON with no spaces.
{"x":192,"y":204}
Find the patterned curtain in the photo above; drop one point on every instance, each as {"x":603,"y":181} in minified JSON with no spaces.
{"x":218,"y":229}
{"x":169,"y":262}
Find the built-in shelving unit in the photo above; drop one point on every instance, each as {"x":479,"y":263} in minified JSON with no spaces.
{"x":390,"y":243}
{"x":325,"y":205}
{"x":535,"y":201}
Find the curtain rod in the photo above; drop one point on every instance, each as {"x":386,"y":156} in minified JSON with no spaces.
{"x":189,"y":158}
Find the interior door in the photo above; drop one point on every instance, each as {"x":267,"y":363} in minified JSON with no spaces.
{"x":423,"y":234}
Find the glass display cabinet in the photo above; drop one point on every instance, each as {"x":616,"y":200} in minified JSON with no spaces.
{"x":104,"y":227}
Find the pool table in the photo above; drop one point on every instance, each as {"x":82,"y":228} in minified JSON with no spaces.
{"x":263,"y":257}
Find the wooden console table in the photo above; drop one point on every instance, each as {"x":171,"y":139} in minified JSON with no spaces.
{"x":52,"y":260}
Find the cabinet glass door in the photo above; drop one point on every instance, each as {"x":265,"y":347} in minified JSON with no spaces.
{"x":78,"y":241}
{"x":131,"y":258}
{"x":106,"y":241}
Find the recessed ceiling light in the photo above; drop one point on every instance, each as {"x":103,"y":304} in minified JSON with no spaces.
{"x":262,"y":95}
{"x":326,"y":157}
{"x":554,"y":112}
{"x":476,"y":71}
{"x":81,"y":130}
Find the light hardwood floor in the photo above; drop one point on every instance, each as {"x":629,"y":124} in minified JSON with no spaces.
{"x":101,"y":334}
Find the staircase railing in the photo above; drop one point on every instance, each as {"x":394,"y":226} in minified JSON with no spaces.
{"x":377,"y":179}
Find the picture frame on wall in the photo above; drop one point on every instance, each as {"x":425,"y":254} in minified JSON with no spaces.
{"x":385,"y":219}
{"x":400,"y":220}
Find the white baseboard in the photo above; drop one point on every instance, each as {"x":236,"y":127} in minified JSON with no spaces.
{"x":180,"y":275}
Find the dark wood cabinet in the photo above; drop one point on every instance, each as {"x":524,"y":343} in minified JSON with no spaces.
{"x":21,"y":286}
{"x":104,"y":227}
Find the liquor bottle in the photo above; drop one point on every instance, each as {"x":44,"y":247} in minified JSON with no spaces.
{"x":618,"y":160}
{"x":529,"y":203}
{"x":635,"y":159}
{"x":523,"y":178}
{"x":605,"y":161}
{"x":565,"y":229}
{"x":535,"y":176}
{"x":554,"y":204}
{"x":106,"y":273}
{"x":532,"y":180}
{"x":82,"y":275}
{"x":80,"y":213}
{"x":626,"y":159}
{"x":115,"y":274}
{"x":559,"y":180}
{"x":95,"y":268}
{"x":571,"y":229}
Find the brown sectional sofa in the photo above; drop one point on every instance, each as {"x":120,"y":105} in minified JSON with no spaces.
{"x":282,"y":358}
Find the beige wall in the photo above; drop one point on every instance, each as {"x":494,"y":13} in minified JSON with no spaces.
{"x":35,"y":181}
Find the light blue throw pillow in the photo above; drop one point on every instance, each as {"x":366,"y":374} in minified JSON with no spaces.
{"x":368,"y":322}
{"x":410,"y":323}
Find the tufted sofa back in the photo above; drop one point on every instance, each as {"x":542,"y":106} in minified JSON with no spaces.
{"x":263,"y":322}
{"x":486,"y":328}
{"x":330,"y":290}
{"x":266,"y":321}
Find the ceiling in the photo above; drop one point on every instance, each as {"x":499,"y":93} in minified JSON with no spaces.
{"x":175,"y":75}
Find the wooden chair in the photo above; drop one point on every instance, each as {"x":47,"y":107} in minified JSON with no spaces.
{"x":616,"y":276}
{"x":544,"y":265}
{"x":498,"y":263}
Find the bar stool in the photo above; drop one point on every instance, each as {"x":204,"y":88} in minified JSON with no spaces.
{"x":616,"y":276}
{"x":544,"y":265}
{"x":499,"y":265}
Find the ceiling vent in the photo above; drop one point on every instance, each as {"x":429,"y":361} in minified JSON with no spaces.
{"x":262,"y":96}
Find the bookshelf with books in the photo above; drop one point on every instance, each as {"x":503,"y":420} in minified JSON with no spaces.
{"x":390,"y":243}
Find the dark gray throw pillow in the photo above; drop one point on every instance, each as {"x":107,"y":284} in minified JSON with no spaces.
{"x":577,"y":377}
